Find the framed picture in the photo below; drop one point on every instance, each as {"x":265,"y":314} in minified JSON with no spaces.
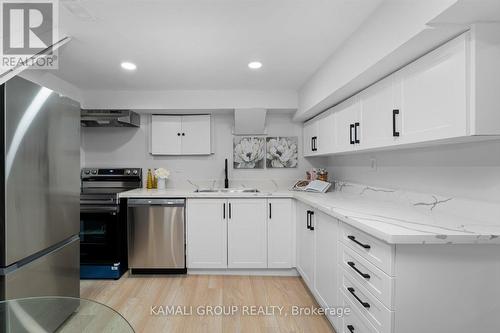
{"x":249,"y":152}
{"x":282,"y":152}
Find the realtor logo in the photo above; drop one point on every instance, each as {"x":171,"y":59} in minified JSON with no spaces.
{"x":28,"y":28}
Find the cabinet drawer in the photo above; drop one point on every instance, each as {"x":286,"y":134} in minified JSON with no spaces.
{"x":355,"y":322}
{"x":372,"y":249}
{"x":372,"y":278}
{"x":371,"y":308}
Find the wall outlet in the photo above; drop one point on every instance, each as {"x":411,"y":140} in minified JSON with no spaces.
{"x":373,"y":164}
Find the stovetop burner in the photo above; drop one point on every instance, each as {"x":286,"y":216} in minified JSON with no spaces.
{"x":103,"y":185}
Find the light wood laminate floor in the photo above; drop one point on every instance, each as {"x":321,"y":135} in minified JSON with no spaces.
{"x":133,"y":297}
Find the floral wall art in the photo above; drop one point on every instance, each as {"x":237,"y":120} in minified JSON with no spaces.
{"x":249,"y":152}
{"x":282,"y":152}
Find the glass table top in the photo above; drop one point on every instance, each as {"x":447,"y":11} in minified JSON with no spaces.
{"x":61,"y":315}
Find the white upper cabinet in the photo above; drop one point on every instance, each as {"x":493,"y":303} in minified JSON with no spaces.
{"x":347,"y":125}
{"x":325,"y":143}
{"x":449,"y":93}
{"x":434,"y":94}
{"x":196,"y":135}
{"x":380,"y":119}
{"x":319,"y":138}
{"x":166,"y":136}
{"x":180,"y":135}
{"x":310,"y":135}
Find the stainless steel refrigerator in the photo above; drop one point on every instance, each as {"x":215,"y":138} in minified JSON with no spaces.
{"x":39,"y":192}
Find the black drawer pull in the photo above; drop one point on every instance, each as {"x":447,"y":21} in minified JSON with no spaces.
{"x":353,"y":266}
{"x":350,"y":328}
{"x":356,"y":140}
{"x":223,"y":211}
{"x":365,"y":304}
{"x":311,"y":227}
{"x":308,"y":220}
{"x":351,"y":127}
{"x":365,"y":246}
{"x":394,"y":113}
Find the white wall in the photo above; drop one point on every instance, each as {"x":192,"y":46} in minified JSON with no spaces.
{"x":470,"y":170}
{"x":126,"y":147}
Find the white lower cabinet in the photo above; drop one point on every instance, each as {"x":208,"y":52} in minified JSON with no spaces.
{"x":247,"y":233}
{"x":239,"y":233}
{"x":415,"y":288}
{"x":317,"y":235}
{"x":280,"y":225}
{"x":355,"y":322}
{"x":206,"y":237}
{"x":305,"y":244}
{"x":325,"y":254}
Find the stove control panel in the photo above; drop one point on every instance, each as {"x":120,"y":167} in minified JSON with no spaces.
{"x":111,"y":172}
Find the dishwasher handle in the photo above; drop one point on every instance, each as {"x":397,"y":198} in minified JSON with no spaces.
{"x":136,"y":202}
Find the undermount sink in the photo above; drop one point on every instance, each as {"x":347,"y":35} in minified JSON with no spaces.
{"x":227,"y":190}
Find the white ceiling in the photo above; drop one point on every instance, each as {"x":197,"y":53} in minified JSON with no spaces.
{"x":202,"y":44}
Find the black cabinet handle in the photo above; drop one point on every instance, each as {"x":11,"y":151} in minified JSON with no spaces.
{"x":183,"y":134}
{"x":224,"y":211}
{"x":312,"y":143}
{"x":314,"y":138}
{"x":230,"y":211}
{"x":353,"y":266}
{"x":356,"y":126}
{"x":394,"y":113}
{"x":178,"y":134}
{"x":365,"y":246}
{"x":350,"y":328}
{"x":352,"y":291}
{"x":270,"y":211}
{"x":351,"y":127}
{"x":311,"y":227}
{"x":308,"y":221}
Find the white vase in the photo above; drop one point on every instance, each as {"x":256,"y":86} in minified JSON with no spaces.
{"x":162,"y":183}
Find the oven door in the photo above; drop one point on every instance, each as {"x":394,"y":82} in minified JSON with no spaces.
{"x":99,"y":234}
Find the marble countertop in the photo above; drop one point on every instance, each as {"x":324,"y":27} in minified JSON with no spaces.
{"x":392,"y":216}
{"x":173,"y":193}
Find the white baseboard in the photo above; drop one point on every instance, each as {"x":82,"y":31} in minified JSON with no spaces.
{"x":252,"y":272}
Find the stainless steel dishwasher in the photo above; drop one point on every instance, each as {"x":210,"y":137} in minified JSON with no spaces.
{"x":156,"y":236}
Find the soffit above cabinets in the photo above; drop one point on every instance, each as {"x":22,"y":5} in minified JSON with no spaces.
{"x":250,"y":121}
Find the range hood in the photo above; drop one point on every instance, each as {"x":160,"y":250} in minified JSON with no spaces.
{"x":250,"y":121}
{"x":109,"y":118}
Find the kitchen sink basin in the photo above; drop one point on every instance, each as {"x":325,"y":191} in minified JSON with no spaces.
{"x":227,"y":190}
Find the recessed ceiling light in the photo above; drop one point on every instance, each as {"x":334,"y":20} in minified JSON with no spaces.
{"x":255,"y":65}
{"x":128,"y":66}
